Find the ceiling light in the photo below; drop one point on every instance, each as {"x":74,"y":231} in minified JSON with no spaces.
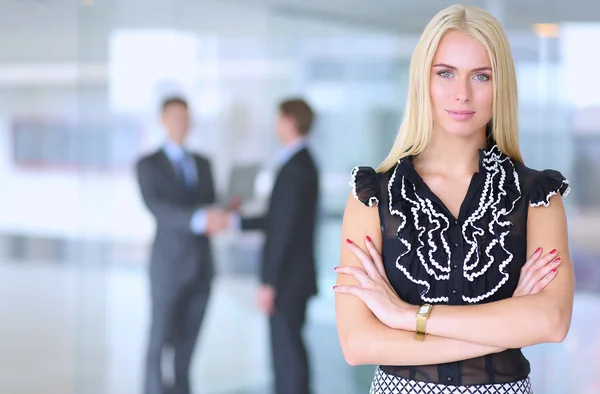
{"x":546,"y":30}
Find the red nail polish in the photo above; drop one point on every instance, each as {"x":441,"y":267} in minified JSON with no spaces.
{"x":336,"y":268}
{"x":335,"y":287}
{"x":553,"y":271}
{"x":557,"y":260}
{"x":538,"y":250}
{"x":348,"y":241}
{"x":368,"y":239}
{"x":553,"y":251}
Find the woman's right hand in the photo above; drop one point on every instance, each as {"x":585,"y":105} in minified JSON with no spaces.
{"x":537,"y":272}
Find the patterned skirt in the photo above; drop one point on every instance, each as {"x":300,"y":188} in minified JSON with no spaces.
{"x":384,"y":383}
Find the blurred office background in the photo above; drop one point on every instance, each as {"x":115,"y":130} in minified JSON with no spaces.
{"x":80,"y":86}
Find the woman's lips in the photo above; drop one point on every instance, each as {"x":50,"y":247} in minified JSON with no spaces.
{"x":460,"y":115}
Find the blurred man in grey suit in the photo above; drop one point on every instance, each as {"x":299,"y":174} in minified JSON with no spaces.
{"x":177,"y":188}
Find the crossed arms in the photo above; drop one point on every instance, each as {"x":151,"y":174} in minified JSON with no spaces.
{"x":455,"y":332}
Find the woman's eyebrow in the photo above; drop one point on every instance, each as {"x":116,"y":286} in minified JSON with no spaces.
{"x":486,"y":68}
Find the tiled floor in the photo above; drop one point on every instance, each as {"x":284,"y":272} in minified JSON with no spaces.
{"x":67,"y":330}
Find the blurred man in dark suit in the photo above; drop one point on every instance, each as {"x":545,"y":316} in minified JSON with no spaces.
{"x":177,"y":187}
{"x":288,"y":277}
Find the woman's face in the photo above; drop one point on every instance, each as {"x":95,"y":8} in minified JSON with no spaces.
{"x":461,"y":85}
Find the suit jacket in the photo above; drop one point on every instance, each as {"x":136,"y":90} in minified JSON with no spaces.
{"x":179,"y":257}
{"x":288,"y":259}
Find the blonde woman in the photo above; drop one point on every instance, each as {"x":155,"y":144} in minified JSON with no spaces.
{"x":455,"y":253}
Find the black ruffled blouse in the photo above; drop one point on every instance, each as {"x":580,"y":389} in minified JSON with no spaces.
{"x":431,"y":256}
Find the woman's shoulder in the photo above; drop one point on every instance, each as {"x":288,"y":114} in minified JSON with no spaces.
{"x":538,"y":186}
{"x":366,"y":183}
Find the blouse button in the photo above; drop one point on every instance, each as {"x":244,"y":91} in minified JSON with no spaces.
{"x":449,"y":378}
{"x":456,"y":244}
{"x":456,"y":222}
{"x":455,"y":266}
{"x":453,"y":291}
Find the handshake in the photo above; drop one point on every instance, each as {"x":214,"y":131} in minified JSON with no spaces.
{"x":219,"y":219}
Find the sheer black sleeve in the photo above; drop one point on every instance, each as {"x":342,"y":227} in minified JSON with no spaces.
{"x":364,"y":186}
{"x":546,"y":184}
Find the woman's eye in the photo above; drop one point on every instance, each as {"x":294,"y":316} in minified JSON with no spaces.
{"x":482,"y":77}
{"x":445,"y":74}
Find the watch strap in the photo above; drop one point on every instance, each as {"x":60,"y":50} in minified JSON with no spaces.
{"x":421,"y":330}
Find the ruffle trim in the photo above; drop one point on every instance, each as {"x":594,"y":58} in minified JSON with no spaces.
{"x":550,"y":183}
{"x":364,"y":185}
{"x":426,"y":246}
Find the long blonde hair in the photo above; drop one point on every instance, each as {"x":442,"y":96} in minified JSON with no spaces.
{"x":417,"y":124}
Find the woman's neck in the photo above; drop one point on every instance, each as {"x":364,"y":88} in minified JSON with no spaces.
{"x":451,"y":155}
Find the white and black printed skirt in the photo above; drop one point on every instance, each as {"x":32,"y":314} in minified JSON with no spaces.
{"x":384,"y":383}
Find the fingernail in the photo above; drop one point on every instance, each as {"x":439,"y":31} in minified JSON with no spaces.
{"x":557,"y":260}
{"x":553,"y":271}
{"x":348,"y":241}
{"x":336,"y":268}
{"x":335,"y":287}
{"x":538,"y":250}
{"x":368,"y":239}
{"x":553,"y":251}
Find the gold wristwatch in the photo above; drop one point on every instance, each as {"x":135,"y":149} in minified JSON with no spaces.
{"x":422,"y":315}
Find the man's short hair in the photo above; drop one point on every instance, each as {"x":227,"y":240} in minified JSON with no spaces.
{"x":300,"y":111}
{"x":172,"y":101}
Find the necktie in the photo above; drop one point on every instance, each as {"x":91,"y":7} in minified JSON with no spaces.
{"x":180,"y":169}
{"x":186,"y":171}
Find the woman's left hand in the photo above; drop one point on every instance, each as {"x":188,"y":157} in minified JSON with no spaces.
{"x":374,"y":288}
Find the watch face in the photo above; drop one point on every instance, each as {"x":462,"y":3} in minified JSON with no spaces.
{"x":423,"y":309}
